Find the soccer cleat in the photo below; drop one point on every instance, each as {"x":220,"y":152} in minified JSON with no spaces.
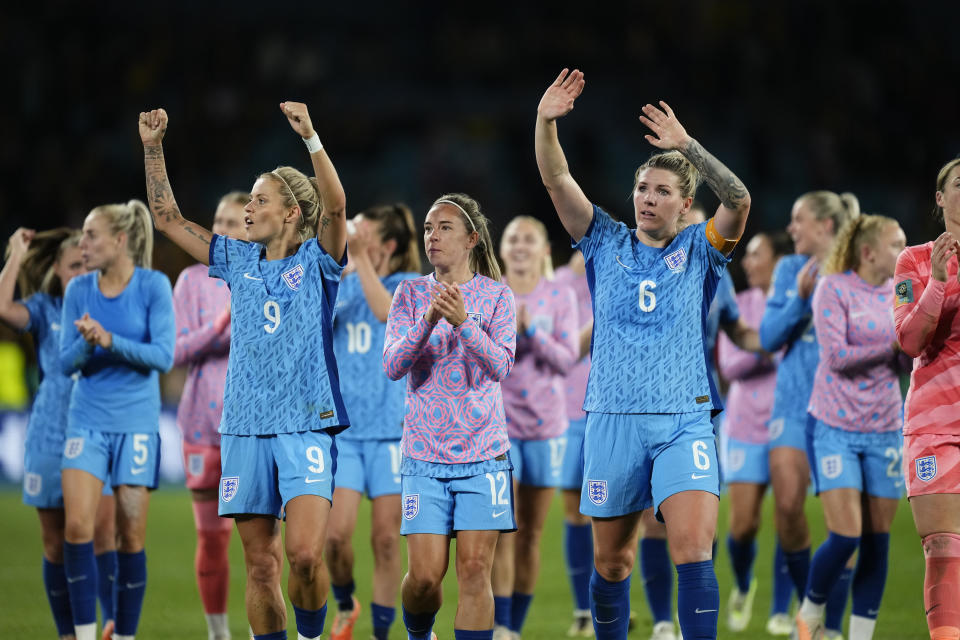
{"x":780,"y":624}
{"x":663,"y":630}
{"x":344,"y":621}
{"x":582,"y":627}
{"x":809,"y":628}
{"x":740,"y":607}
{"x":107,"y":633}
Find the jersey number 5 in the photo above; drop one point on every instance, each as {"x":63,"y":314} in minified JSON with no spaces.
{"x":271,"y":311}
{"x":648,"y":301}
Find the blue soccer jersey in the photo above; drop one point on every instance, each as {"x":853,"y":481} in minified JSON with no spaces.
{"x":650,"y":308}
{"x":374,"y":402}
{"x":48,"y":418}
{"x":119,"y":388}
{"x":788,"y":321}
{"x":282,"y":375}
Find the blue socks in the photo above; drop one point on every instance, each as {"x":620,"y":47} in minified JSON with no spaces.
{"x":837,"y":601}
{"x":828,"y":563}
{"x":131,"y":587}
{"x":107,"y":584}
{"x":276,"y":635}
{"x":460,"y":634}
{"x":798,"y":564}
{"x":502,"y":608}
{"x":871,"y":574}
{"x":741,"y":557}
{"x":55,"y":584}
{"x":519,"y":605}
{"x":698,"y":599}
{"x":610,"y":605}
{"x":382,"y":619}
{"x":343,"y":595}
{"x":419,"y":625}
{"x":310,"y":623}
{"x":782,"y":584}
{"x":657,"y":577}
{"x":578,"y":548}
{"x":80,"y":568}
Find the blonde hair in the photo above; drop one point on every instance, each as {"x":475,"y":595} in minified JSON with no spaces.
{"x":827,"y":205}
{"x":37,"y":267}
{"x":235,"y":197}
{"x":942,"y":184}
{"x":297,"y":189}
{"x":546,"y":267}
{"x":396,"y":223}
{"x":861,"y":231}
{"x":482,"y":259}
{"x":133,"y":219}
{"x":688,"y":177}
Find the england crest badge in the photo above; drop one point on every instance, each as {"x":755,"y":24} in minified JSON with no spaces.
{"x":195,"y":464}
{"x":228,"y":487}
{"x":676,"y":260}
{"x":832,"y":465}
{"x":293,"y":277}
{"x":926,"y":468}
{"x":597,"y":490}
{"x":411,"y":506}
{"x":32,"y":483}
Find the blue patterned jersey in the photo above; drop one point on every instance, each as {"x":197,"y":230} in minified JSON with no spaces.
{"x":282,"y":375}
{"x":48,"y":418}
{"x":723,"y":310}
{"x":650,"y":308}
{"x":374,"y":401}
{"x":788,"y":322}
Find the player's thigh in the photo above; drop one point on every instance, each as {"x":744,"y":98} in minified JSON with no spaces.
{"x":617,"y":465}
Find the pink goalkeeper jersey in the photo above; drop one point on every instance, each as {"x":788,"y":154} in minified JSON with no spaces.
{"x":927,"y":315}
{"x":752,"y":377}
{"x":533,"y":393}
{"x":454,"y":403}
{"x":198,"y":300}
{"x":575,"y":382}
{"x":856,"y":386}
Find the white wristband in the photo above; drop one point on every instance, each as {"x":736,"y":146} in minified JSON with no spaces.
{"x":313,"y":144}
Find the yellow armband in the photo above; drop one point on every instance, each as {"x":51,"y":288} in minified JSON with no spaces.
{"x":719,"y":243}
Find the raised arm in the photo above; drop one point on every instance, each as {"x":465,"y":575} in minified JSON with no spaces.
{"x":167,"y":218}
{"x":731,"y":215}
{"x":12,"y":312}
{"x":378,"y":297}
{"x":332,"y":225}
{"x":572,"y":205}
{"x":786,"y":315}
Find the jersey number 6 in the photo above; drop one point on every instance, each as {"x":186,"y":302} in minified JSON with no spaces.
{"x":648,"y":301}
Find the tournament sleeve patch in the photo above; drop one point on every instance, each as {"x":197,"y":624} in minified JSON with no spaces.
{"x":904,"y":291}
{"x":719,"y":243}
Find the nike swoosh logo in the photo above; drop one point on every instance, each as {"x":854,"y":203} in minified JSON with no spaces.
{"x":250,"y":277}
{"x":312,"y":480}
{"x":57,"y":594}
{"x":790,"y":293}
{"x":497,"y":515}
{"x":858,"y":314}
{"x":622,"y":265}
{"x":137,"y":471}
{"x":697,"y":476}
{"x":698,"y":610}
{"x":76,"y":579}
{"x":55,"y":326}
{"x":134,"y":585}
{"x":932,"y":608}
{"x":606,"y":621}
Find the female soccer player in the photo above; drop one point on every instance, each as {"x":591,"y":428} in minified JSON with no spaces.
{"x":117,"y":333}
{"x":282,"y":396}
{"x":43,"y":264}
{"x":382,"y":251}
{"x":452,"y":334}
{"x":927,"y":301}
{"x":578,"y":539}
{"x":857,"y":405}
{"x":787,"y":324}
{"x":533,"y":398}
{"x":202,"y":308}
{"x":649,"y":439}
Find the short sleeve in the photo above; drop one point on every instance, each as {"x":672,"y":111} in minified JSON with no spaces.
{"x":227,"y":257}
{"x":34,"y":305}
{"x":601,"y":227}
{"x":313,"y":251}
{"x":715,"y":256}
{"x":727,"y":299}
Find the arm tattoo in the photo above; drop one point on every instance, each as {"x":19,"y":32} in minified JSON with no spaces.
{"x":163,"y":206}
{"x":324,"y":223}
{"x":722,"y":181}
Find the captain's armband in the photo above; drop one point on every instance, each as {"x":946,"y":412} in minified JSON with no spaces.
{"x":719,"y":243}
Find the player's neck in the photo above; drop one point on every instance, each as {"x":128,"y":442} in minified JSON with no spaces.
{"x":655,"y":241}
{"x":953,"y":226}
{"x":115,"y":277}
{"x":453,"y":275}
{"x":522,"y":282}
{"x":280,"y":248}
{"x":871,"y":276}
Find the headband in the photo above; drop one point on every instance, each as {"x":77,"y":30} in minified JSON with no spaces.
{"x":287,"y":185}
{"x":462,"y":210}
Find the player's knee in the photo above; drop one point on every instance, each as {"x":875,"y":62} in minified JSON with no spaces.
{"x":473,"y":574}
{"x":76,"y":530}
{"x":130,"y":541}
{"x":305,"y":562}
{"x":614,"y":566}
{"x":421,"y":582}
{"x":337,"y":545}
{"x":53,"y":547}
{"x":386,"y":546}
{"x":263,"y":567}
{"x":744,"y":530}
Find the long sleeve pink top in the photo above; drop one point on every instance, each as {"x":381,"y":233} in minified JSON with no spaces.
{"x":575,"y":382}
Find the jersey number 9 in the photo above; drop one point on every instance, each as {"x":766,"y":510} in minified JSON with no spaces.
{"x":648,"y":301}
{"x":271,"y":311}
